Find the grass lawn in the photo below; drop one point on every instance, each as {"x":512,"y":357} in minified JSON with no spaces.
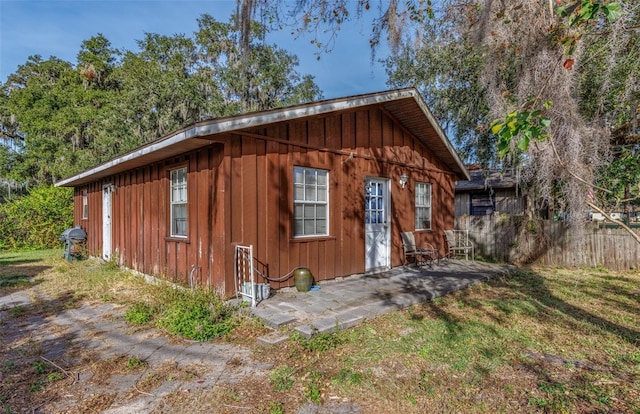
{"x":536,"y":340}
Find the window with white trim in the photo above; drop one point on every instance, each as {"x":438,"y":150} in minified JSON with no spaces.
{"x":423,"y":206}
{"x":179,"y":202}
{"x":310,"y":202}
{"x":85,"y":205}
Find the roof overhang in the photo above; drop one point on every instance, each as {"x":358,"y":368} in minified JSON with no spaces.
{"x":406,"y":105}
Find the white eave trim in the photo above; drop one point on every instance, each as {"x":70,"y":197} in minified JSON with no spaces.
{"x":230,"y":124}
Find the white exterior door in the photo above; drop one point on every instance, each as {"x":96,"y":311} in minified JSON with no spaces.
{"x":377,"y":223}
{"x":106,"y":221}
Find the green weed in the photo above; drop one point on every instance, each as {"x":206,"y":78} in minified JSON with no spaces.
{"x":135,"y":363}
{"x":17,"y":311}
{"x":312,"y":388}
{"x":348,"y":377}
{"x":198,"y":315}
{"x":557,"y":397}
{"x":106,"y":297}
{"x":8,"y":366}
{"x":36,"y":386}
{"x":54,"y":376}
{"x":282,"y":378}
{"x":40,"y":367}
{"x":320,"y":342}
{"x":14,"y":280}
{"x":138,"y":314}
{"x":412,"y":399}
{"x":276,"y":408}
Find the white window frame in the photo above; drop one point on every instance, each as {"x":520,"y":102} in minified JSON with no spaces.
{"x":310,"y":196}
{"x":85,"y":205}
{"x":423,"y":201}
{"x":178,"y":198}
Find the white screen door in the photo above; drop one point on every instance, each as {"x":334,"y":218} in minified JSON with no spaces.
{"x":376,"y":223}
{"x":106,"y":221}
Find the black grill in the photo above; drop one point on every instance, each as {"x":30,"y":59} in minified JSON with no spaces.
{"x":75,"y":240}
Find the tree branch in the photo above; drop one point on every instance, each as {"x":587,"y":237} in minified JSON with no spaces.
{"x":618,"y":222}
{"x":571,"y":173}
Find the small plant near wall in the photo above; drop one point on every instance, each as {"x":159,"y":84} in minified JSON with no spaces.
{"x":198,"y":314}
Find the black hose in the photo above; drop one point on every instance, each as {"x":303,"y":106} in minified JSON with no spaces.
{"x":282,"y":278}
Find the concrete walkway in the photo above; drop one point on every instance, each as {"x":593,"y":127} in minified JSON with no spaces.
{"x":100,"y":328}
{"x":342,"y":303}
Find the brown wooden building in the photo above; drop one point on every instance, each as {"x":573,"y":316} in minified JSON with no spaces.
{"x":328,"y":185}
{"x":488,"y":192}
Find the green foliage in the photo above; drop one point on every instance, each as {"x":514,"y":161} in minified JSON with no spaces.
{"x":58,"y":118}
{"x":198,"y":315}
{"x":348,"y":377}
{"x":17,"y":311}
{"x":54,"y":376}
{"x":36,"y":387}
{"x":312,"y":388}
{"x":138,"y":314}
{"x":13,"y":280}
{"x":446,"y":68}
{"x":40,"y":367}
{"x":135,"y":363}
{"x":36,"y":220}
{"x":523,"y":126}
{"x":581,"y":14}
{"x":622,"y":178}
{"x":282,"y":378}
{"x":320,"y":342}
{"x":276,"y":407}
{"x":7,"y":366}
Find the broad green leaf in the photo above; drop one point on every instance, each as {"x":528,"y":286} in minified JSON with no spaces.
{"x":523,"y":143}
{"x":545,"y":122}
{"x":613,"y":11}
{"x":503,"y":147}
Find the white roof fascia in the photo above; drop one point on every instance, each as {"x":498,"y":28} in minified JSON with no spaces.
{"x":230,"y":124}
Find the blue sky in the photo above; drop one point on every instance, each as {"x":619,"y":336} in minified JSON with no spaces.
{"x":58,"y":27}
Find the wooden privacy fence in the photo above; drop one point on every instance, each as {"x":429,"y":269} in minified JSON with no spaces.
{"x":500,"y":237}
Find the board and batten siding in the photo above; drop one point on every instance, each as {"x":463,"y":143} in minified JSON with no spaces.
{"x":140,"y":219}
{"x":506,"y":202}
{"x":240,"y":192}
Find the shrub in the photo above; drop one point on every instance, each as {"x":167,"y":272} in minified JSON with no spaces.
{"x":36,"y":220}
{"x":199,"y":315}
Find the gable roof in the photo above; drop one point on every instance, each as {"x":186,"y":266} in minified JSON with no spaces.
{"x":405,"y":105}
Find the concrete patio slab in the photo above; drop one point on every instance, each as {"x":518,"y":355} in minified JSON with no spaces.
{"x":345,"y":302}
